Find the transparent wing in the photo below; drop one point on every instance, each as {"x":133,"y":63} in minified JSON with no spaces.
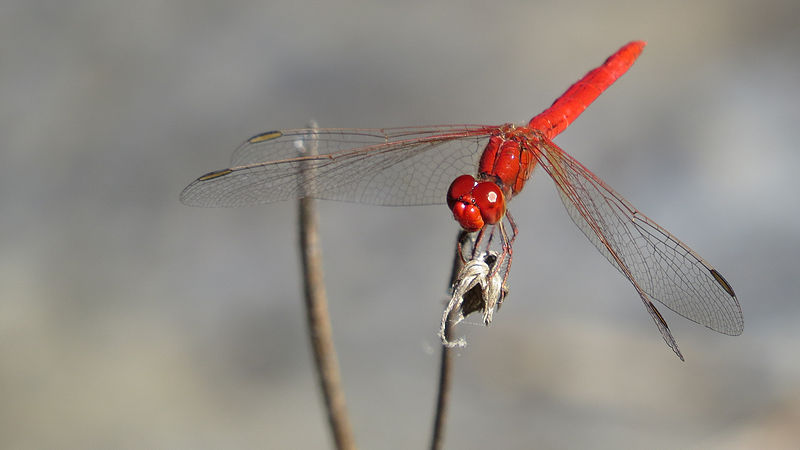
{"x":393,"y":166}
{"x":657,"y":263}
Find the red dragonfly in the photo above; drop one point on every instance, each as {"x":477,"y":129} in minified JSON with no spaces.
{"x":489,"y":166}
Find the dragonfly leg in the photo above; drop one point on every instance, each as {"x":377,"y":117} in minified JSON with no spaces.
{"x":507,"y":252}
{"x":477,"y":244}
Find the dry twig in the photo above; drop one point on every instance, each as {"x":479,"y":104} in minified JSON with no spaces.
{"x":319,"y":325}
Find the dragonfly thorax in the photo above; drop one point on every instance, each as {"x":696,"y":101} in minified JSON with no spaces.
{"x":507,"y":159}
{"x":505,"y":165}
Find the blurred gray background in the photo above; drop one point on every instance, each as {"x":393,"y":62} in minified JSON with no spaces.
{"x":128,"y":320}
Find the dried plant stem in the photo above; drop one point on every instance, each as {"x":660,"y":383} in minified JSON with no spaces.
{"x":319,"y":327}
{"x":445,"y":366}
{"x":443,"y":393}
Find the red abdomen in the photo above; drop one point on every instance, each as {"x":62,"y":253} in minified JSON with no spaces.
{"x":508,"y":160}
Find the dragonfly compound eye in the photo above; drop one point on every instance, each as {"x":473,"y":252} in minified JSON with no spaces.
{"x":460,"y":187}
{"x":468,"y":215}
{"x":489,"y":199}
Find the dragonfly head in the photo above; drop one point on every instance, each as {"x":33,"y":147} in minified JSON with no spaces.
{"x":475,"y":204}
